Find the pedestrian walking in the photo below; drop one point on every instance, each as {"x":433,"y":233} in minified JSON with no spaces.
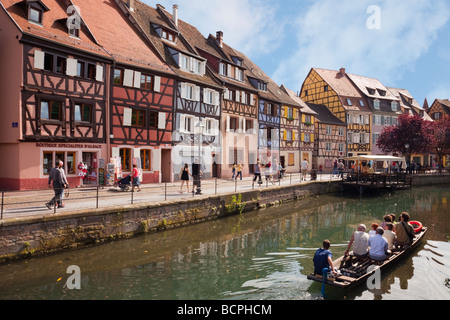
{"x":185,"y":173}
{"x":257,"y":173}
{"x":239,"y":171}
{"x":57,"y":178}
{"x":233,"y":170}
{"x":135,"y":178}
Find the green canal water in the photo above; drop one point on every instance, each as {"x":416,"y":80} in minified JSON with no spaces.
{"x":260,"y":255}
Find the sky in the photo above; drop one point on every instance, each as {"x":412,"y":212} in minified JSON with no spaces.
{"x":403,"y":43}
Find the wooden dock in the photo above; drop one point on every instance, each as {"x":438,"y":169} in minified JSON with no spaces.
{"x":376,"y":181}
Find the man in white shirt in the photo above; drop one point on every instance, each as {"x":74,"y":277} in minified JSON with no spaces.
{"x":359,"y":240}
{"x":378,"y":246}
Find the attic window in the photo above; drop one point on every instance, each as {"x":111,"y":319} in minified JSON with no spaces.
{"x":371,"y":91}
{"x":381,"y":92}
{"x":35,"y":14}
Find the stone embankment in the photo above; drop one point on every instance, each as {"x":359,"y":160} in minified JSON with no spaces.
{"x":24,"y":237}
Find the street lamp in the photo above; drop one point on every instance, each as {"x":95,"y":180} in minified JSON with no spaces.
{"x":439,"y":150}
{"x":198,"y":172}
{"x":408,"y":160}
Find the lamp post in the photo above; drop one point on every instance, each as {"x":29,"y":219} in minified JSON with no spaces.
{"x":408,"y":160}
{"x":199,"y":128}
{"x":439,"y":150}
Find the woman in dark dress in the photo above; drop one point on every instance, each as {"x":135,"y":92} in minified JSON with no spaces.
{"x":184,"y":173}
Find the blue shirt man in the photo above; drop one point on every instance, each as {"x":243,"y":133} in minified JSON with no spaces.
{"x":378,"y":246}
{"x":322,"y":259}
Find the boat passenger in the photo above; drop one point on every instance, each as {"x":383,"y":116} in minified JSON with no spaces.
{"x":378,"y":246}
{"x":390,"y":235}
{"x":323,"y":259}
{"x":393,"y":220}
{"x":373,"y":232}
{"x":359,"y":240}
{"x":404,"y":230}
{"x":386,"y":219}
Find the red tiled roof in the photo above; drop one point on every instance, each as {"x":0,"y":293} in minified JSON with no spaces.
{"x":53,"y":26}
{"x":117,"y":35}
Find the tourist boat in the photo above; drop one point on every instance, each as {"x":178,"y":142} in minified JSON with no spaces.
{"x":354,"y":272}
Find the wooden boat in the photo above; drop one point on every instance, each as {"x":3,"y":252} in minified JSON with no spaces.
{"x":354,"y":271}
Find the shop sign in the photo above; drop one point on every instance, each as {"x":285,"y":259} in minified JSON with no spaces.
{"x":68,"y":145}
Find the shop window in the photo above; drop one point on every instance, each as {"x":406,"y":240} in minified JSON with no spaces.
{"x":71,"y":162}
{"x":125,"y":155}
{"x":47,"y":163}
{"x":146,"y":160}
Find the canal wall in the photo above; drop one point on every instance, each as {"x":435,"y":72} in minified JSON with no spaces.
{"x":21,"y":238}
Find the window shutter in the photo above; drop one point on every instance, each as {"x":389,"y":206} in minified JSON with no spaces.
{"x":39,"y":59}
{"x":228,"y":123}
{"x":203,"y":68}
{"x":115,"y":152}
{"x":312,"y":137}
{"x":367,"y":138}
{"x":197,"y":93}
{"x":303,"y":119}
{"x":71,"y":69}
{"x":183,"y":90}
{"x":216,"y":98}
{"x":226,"y":94}
{"x":229,"y":70}
{"x":127,"y":117}
{"x":182,"y":125}
{"x":255,"y":126}
{"x":251,"y":99}
{"x":128,"y":78}
{"x":303,"y":137}
{"x":284,"y":135}
{"x":157,"y":84}
{"x":238,"y":98}
{"x":294,"y":136}
{"x":99,"y":73}
{"x":162,"y":120}
{"x":313,"y":119}
{"x":137,"y":79}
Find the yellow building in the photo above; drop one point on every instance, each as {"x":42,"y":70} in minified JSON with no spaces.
{"x":336,"y":91}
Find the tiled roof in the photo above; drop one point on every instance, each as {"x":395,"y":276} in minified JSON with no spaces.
{"x":304,"y":106}
{"x":145,"y":16}
{"x":364,"y":84}
{"x":118,"y":36}
{"x":324,"y":115}
{"x":53,"y":26}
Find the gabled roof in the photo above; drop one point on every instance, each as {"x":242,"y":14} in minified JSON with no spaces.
{"x":303,"y":105}
{"x":51,"y":29}
{"x":340,"y":82}
{"x":148,"y":18}
{"x":324,"y":115}
{"x":371,"y":87}
{"x":445,"y":103}
{"x":118,"y":36}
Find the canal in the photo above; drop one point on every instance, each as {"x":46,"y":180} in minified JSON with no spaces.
{"x":260,"y":255}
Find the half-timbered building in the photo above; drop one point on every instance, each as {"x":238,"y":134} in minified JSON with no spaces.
{"x":330,"y":142}
{"x":335,"y":90}
{"x":141,"y":88}
{"x":53,"y":94}
{"x":384,"y":105}
{"x":238,"y":122}
{"x":439,"y":109}
{"x":197,"y":93}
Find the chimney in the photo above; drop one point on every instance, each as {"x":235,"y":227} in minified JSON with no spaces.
{"x":130,"y":4}
{"x":175,"y":14}
{"x":342,"y":71}
{"x":219,"y":38}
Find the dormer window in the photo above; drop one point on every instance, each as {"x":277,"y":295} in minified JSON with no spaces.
{"x":35,"y":15}
{"x":35,"y":10}
{"x":165,"y":33}
{"x":371,"y":91}
{"x":262,"y":86}
{"x":381,"y":92}
{"x":394,"y":106}
{"x":376,"y":104}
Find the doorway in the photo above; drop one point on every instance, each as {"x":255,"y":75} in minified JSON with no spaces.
{"x":166,"y":165}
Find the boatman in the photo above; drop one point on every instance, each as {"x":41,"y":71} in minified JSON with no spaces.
{"x":323,"y":259}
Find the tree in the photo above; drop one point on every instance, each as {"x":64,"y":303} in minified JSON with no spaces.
{"x":411,"y":135}
{"x":441,"y":138}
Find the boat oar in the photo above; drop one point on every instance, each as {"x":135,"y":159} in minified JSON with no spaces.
{"x":324,"y":279}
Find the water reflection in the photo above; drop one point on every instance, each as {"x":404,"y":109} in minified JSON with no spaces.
{"x":260,"y":255}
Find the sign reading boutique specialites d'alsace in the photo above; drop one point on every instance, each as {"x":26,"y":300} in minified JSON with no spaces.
{"x":68,"y":145}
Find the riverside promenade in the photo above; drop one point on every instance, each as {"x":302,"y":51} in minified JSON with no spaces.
{"x":31,"y":204}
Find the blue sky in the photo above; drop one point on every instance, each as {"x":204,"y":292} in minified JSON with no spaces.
{"x":403,"y":43}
